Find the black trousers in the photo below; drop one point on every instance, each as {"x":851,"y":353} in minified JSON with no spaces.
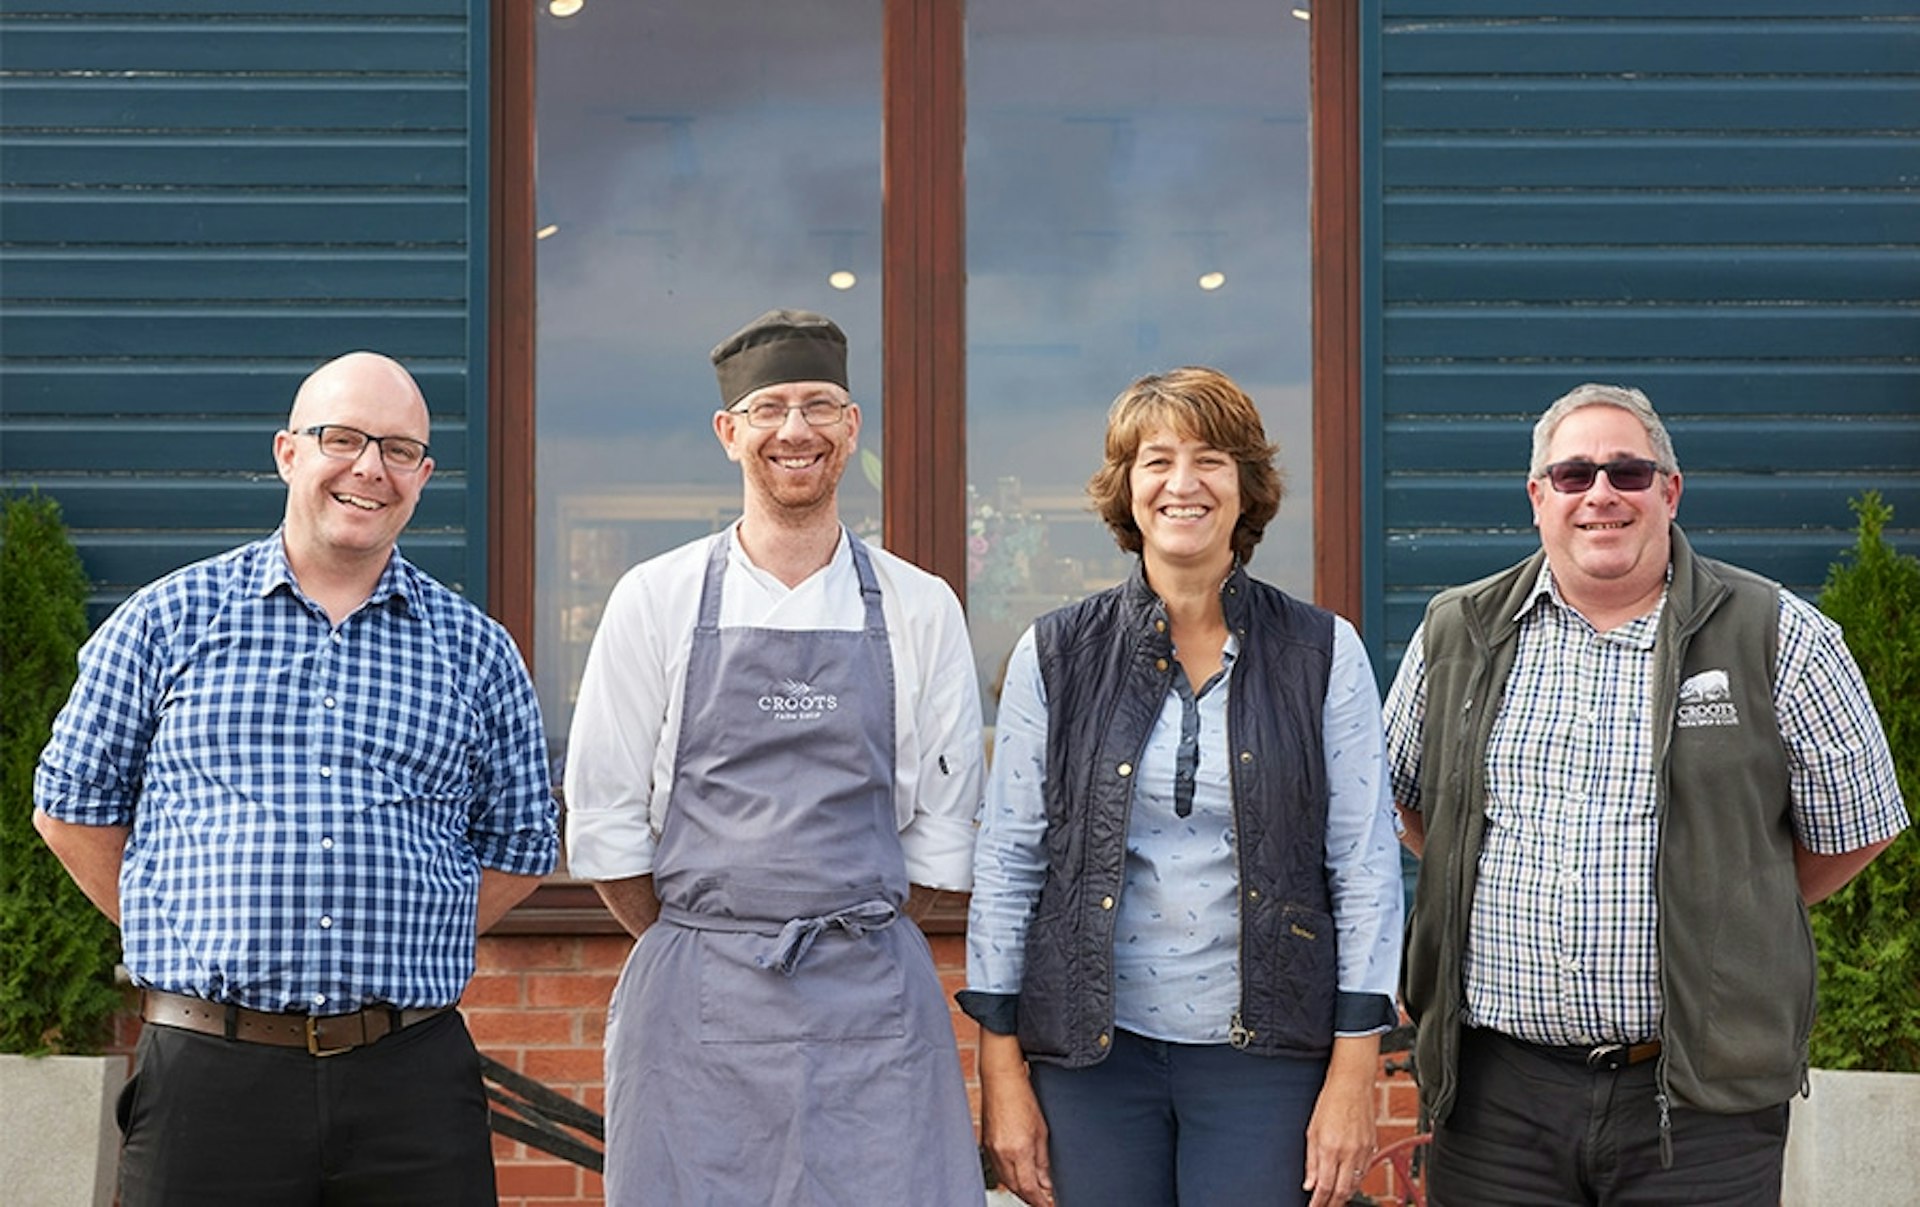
{"x":1530,"y":1128}
{"x":207,"y":1121}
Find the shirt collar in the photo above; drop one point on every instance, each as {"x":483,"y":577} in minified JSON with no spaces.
{"x":397,"y":588}
{"x":737,"y":555}
{"x":1637,"y":632}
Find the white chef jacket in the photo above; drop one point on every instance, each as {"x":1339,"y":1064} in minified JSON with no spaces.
{"x":626,"y":722}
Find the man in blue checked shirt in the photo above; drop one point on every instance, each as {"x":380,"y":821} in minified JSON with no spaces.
{"x":303,"y":776}
{"x":1631,"y":768}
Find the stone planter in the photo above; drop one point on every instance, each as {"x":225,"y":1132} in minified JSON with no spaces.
{"x":59,"y":1145}
{"x":1852,"y":1140}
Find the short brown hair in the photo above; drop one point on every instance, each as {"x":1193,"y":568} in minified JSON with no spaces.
{"x":1195,"y":403}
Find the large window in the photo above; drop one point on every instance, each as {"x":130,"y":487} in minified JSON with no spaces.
{"x":698,"y":163}
{"x":1134,"y":197}
{"x":1136,"y":200}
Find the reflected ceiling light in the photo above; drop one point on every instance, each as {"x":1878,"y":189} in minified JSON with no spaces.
{"x":548,"y":231}
{"x":1211,"y":281}
{"x":842,"y":280}
{"x":1301,"y":11}
{"x":565,"y":8}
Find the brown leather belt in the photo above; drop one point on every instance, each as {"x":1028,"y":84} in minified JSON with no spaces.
{"x":320,"y":1035}
{"x":1601,"y":1058}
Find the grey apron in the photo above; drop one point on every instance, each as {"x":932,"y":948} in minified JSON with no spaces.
{"x":780,"y":1035}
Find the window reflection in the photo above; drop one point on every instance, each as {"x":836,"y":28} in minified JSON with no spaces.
{"x":698,"y":163}
{"x":1137,"y":199}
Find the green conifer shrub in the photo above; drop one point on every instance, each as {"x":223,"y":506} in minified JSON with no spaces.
{"x":57,"y":952}
{"x":1869,"y":932}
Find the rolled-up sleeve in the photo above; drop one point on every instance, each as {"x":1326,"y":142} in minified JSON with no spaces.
{"x":514,"y":818}
{"x":90,"y":770}
{"x":618,"y":720}
{"x":941,"y":755}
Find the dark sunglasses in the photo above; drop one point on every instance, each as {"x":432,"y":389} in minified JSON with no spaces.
{"x":1628,"y":473}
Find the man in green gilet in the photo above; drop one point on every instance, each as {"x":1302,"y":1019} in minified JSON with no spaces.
{"x":1628,"y":769}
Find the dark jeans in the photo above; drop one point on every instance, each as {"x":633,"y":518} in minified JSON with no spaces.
{"x":402,"y":1121}
{"x":1530,"y":1128}
{"x":1158,"y":1124}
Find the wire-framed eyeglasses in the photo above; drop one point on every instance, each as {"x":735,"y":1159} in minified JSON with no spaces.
{"x":818,"y":412}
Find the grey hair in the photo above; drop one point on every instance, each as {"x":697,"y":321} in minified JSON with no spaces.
{"x":1626,"y":398}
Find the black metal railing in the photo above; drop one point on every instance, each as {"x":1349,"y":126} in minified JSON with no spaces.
{"x":542,"y":1118}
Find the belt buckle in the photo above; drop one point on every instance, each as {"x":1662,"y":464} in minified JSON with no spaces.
{"x":1610,"y":1058}
{"x":313,"y":1040}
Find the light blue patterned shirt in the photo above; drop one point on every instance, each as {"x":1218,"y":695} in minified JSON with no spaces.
{"x":310,"y":805}
{"x":1176,"y":940}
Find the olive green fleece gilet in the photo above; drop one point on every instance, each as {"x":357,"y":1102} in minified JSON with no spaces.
{"x":1737,"y":967}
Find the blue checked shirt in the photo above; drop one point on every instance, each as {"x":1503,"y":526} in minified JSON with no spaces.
{"x":310,"y":805}
{"x":1563,"y":945}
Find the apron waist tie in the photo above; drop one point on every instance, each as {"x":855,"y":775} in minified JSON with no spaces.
{"x":796,"y":938}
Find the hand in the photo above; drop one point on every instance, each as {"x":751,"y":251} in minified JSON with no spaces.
{"x":1011,"y":1125}
{"x":1340,"y":1137}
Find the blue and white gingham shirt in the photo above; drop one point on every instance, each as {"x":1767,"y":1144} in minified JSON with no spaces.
{"x":1563,"y":945}
{"x":310,"y":805}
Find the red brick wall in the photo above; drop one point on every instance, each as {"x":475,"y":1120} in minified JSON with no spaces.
{"x":538,"y":1005}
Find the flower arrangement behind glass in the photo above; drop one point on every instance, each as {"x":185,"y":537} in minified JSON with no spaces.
{"x":1006,"y":545}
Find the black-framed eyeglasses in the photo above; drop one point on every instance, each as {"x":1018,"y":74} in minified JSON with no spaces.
{"x":1628,"y":474}
{"x":337,"y":440}
{"x":818,"y":412}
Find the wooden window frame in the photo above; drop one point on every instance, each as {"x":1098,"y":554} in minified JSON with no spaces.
{"x":923,"y":327}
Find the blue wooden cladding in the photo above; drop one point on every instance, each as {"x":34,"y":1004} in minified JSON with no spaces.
{"x":1718,"y":203}
{"x":200,"y":202}
{"x":203,"y":216}
{"x":198,"y":104}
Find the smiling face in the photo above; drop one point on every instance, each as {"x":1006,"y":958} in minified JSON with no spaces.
{"x":1608,"y":548}
{"x":791,"y":471}
{"x":1186,"y":501}
{"x":348,"y":513}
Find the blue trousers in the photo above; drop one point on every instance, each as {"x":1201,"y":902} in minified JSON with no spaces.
{"x":1529,"y":1128}
{"x":1158,"y":1124}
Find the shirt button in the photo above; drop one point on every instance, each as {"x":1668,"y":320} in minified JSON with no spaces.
{"x":328,"y":701}
{"x":326,"y":773}
{"x":326,"y":922}
{"x":1159,"y":664}
{"x":326,"y":844}
{"x":1106,"y":903}
{"x":319,"y":999}
{"x":1125,"y":769}
{"x":337,"y":638}
{"x":1253,"y":894}
{"x":1246,"y":756}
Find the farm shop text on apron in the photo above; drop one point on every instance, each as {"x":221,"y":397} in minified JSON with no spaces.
{"x":780,"y":1035}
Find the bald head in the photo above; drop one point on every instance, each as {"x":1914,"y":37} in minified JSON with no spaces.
{"x":365,"y":377}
